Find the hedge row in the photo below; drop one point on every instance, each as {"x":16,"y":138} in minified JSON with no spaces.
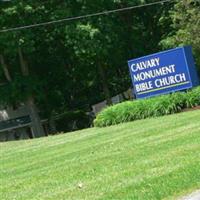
{"x":145,"y":108}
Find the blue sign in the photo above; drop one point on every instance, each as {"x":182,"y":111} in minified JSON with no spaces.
{"x":163,"y":72}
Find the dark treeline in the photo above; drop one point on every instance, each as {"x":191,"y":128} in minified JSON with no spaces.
{"x":72,"y":65}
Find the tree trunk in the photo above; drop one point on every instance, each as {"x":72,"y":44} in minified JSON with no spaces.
{"x":104,"y":84}
{"x":52,"y":125}
{"x":5,"y":69}
{"x":23,"y":63}
{"x":37,"y":129}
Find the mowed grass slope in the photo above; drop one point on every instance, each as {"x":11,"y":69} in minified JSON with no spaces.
{"x":143,"y":160}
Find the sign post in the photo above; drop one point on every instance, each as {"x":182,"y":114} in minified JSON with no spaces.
{"x":163,"y":72}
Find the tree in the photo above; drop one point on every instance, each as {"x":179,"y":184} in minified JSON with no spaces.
{"x":73,"y":65}
{"x":185,"y":17}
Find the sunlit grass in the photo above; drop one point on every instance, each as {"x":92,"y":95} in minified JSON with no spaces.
{"x":143,"y":160}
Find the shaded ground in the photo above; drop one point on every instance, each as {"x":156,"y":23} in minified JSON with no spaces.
{"x":191,"y":109}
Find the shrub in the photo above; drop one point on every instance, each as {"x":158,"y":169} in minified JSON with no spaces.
{"x":193,"y":98}
{"x":145,"y":108}
{"x":71,"y":121}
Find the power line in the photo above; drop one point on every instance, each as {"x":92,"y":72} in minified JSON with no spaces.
{"x":83,"y":16}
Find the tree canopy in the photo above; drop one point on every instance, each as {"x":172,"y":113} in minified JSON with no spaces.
{"x":185,"y":27}
{"x":73,"y":65}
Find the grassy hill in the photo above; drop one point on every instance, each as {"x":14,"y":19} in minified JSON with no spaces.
{"x":143,"y":160}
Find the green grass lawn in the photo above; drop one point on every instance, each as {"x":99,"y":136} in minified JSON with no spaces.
{"x":143,"y":160}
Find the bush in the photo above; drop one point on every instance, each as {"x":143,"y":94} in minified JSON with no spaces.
{"x":71,"y":121}
{"x":193,"y":98}
{"x":145,"y":108}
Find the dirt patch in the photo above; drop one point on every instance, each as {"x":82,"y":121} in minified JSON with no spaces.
{"x":191,"y":109}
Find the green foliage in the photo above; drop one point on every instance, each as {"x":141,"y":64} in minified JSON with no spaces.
{"x":71,"y":121}
{"x":19,"y":89}
{"x":193,"y":98}
{"x":145,"y":108}
{"x":65,"y":57}
{"x":185,"y":27}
